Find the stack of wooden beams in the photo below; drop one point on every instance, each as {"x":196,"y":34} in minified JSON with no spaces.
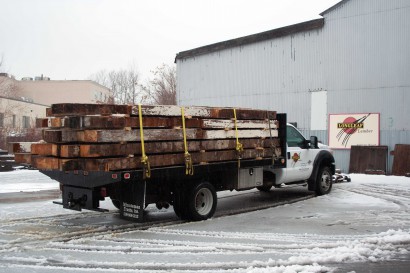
{"x":95,"y":137}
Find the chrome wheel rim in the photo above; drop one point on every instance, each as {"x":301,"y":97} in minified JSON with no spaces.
{"x":204,"y":201}
{"x":325,"y":181}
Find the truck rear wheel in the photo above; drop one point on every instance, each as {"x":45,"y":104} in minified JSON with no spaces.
{"x":264,"y":188}
{"x":324,"y":181}
{"x":201,"y":201}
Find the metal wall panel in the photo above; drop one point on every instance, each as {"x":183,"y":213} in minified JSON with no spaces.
{"x":367,"y":61}
{"x":360,"y":57}
{"x":269,"y":75}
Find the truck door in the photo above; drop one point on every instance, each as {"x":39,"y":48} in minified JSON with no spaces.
{"x":299,"y":157}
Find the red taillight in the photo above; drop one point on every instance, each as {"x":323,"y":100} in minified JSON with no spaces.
{"x":103,"y":192}
{"x":114,"y":176}
{"x":127,"y":175}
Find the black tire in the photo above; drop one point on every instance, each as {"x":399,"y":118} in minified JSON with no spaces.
{"x":178,"y":204}
{"x":116,"y":203}
{"x":201,"y":201}
{"x":264,"y":188}
{"x":324,"y":181}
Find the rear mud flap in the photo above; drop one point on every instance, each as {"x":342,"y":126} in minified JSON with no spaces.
{"x":132,"y":201}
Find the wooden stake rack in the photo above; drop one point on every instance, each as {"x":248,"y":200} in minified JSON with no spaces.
{"x":99,"y":137}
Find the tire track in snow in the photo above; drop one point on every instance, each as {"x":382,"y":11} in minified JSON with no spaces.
{"x":36,"y":229}
{"x":353,"y":248}
{"x":192,"y":250}
{"x":385,"y":193}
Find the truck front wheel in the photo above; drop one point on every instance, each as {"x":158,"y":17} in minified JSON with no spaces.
{"x":201,"y":201}
{"x":324,"y":181}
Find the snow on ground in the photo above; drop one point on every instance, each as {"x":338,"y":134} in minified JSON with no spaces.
{"x":25,"y":181}
{"x":365,"y":221}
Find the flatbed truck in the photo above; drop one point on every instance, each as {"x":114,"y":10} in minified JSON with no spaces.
{"x":193,"y":197}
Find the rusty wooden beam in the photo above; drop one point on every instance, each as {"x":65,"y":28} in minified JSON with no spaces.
{"x":124,"y":163}
{"x":42,"y":123}
{"x":22,"y":158}
{"x":204,"y":112}
{"x":126,"y":149}
{"x":48,"y":149}
{"x":75,"y":109}
{"x":118,"y":122}
{"x":81,"y":136}
{"x":43,"y":163}
{"x":114,"y":122}
{"x":19,"y":147}
{"x":78,"y":109}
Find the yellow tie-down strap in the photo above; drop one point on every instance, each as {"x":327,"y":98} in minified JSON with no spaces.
{"x":189,"y":167}
{"x":144,"y":158}
{"x":239,"y":146}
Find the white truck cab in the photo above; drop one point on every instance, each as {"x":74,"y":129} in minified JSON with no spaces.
{"x":307,"y":161}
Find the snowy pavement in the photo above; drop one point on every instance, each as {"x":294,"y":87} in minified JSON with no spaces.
{"x":365,"y":222}
{"x":25,"y":181}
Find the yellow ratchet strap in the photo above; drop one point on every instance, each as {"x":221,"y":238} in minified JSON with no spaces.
{"x":144,"y":158}
{"x":239,"y":146}
{"x":189,"y":167}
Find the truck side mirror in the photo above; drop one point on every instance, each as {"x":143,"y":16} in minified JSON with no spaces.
{"x":313,"y":142}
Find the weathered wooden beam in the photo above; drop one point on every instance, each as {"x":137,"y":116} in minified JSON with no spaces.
{"x":52,"y":136}
{"x":240,"y":124}
{"x":19,"y":147}
{"x":48,"y":149}
{"x":42,"y":123}
{"x":119,"y":122}
{"x":78,"y":109}
{"x":74,"y":109}
{"x":114,"y":122}
{"x":204,"y":112}
{"x":43,"y":163}
{"x":126,"y":149}
{"x":22,"y":158}
{"x":124,"y":163}
{"x":81,"y":136}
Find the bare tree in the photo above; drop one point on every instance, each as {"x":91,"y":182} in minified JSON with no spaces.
{"x":162,"y":88}
{"x":124,"y":85}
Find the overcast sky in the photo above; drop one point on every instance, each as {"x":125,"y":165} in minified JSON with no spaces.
{"x":72,"y":39}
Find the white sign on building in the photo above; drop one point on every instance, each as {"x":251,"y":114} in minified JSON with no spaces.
{"x":346,"y":130}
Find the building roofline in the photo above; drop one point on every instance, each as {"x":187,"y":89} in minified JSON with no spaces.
{"x":258,"y":37}
{"x":20,"y":100}
{"x":54,"y":81}
{"x":333,"y":7}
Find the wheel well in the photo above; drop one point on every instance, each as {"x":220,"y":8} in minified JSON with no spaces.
{"x":269,"y":178}
{"x":324,"y":158}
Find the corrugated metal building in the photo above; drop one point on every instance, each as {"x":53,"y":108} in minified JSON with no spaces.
{"x":356,"y":59}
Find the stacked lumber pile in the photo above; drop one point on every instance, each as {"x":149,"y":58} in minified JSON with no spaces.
{"x":93,"y":137}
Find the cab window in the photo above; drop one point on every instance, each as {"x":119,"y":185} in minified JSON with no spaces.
{"x":294,"y":138}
